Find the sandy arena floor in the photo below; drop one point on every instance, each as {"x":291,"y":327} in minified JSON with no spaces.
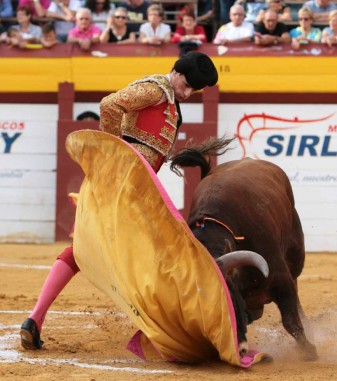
{"x":85,"y":336}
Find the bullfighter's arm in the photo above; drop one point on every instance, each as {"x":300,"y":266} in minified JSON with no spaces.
{"x":132,"y":98}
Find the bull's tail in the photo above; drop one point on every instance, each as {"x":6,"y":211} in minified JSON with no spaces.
{"x":199,"y":155}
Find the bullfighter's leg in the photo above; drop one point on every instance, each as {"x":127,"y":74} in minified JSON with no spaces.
{"x":59,"y":276}
{"x":284,"y":294}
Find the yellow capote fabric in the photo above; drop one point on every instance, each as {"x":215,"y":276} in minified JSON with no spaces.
{"x":131,"y":246}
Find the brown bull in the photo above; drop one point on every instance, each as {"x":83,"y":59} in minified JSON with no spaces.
{"x":249,"y":205}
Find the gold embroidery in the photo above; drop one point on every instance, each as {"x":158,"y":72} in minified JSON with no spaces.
{"x":162,"y":82}
{"x":168,"y":134}
{"x":120,"y":111}
{"x":149,"y":139}
{"x":110,"y":116}
{"x":171,"y":118}
{"x":150,"y":155}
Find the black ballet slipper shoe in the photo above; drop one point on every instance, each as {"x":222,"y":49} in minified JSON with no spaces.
{"x":30,"y":335}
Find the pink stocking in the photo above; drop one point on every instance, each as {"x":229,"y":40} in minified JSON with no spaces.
{"x":58,"y":277}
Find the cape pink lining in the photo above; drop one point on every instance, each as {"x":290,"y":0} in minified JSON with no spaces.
{"x":134,"y":344}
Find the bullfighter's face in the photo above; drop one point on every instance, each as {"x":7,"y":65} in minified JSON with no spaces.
{"x":182,"y":90}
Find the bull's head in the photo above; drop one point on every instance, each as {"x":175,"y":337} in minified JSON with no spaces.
{"x":227,"y":263}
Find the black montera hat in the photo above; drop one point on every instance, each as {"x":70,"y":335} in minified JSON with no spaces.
{"x":198,"y":69}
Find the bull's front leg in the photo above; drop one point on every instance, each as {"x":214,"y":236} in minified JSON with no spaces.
{"x":284,"y":294}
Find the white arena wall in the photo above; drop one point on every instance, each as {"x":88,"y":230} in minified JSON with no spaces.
{"x":301,"y":139}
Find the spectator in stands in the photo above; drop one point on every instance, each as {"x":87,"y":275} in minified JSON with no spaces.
{"x":321,"y":9}
{"x":329,"y":34}
{"x":283,"y":11}
{"x":202,"y":10}
{"x":13,"y":38}
{"x":29,"y":32}
{"x":189,"y":30}
{"x":38,"y":7}
{"x":252,"y":8}
{"x":189,"y":35}
{"x":305,"y":32}
{"x":100,"y":11}
{"x":6,"y":10}
{"x":155,"y":32}
{"x":63,"y":12}
{"x":237,"y":30}
{"x":270,"y":31}
{"x":224,"y":9}
{"x":137,"y":12}
{"x":117,"y":30}
{"x":49,"y":38}
{"x":84,"y":33}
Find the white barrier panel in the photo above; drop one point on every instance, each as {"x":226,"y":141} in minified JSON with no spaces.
{"x":27,"y":172}
{"x":302,"y":140}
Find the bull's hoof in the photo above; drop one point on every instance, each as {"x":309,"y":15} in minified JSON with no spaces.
{"x":243,"y":348}
{"x":309,"y":353}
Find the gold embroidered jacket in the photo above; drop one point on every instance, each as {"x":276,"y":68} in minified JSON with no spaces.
{"x":139,"y":112}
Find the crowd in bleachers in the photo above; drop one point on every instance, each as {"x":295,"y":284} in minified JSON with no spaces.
{"x":189,"y":23}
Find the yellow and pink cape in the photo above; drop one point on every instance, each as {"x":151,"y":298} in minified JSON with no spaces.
{"x":134,"y":246}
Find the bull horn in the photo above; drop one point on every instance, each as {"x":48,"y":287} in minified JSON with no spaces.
{"x":235,"y":259}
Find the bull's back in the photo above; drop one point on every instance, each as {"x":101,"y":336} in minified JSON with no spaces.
{"x":254,"y":198}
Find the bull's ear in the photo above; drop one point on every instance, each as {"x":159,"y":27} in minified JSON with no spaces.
{"x":228,"y":246}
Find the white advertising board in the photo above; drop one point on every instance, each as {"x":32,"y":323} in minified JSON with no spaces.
{"x":28,"y":139}
{"x":302,"y":140}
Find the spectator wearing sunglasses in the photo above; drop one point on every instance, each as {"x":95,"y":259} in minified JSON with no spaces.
{"x":117,"y":30}
{"x":84,"y":33}
{"x":283,"y":11}
{"x":305,"y":32}
{"x":100,"y":11}
{"x":321,"y":9}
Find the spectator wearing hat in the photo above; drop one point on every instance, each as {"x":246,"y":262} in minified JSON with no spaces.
{"x":147,"y":115}
{"x":155,"y":32}
{"x":237,"y":30}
